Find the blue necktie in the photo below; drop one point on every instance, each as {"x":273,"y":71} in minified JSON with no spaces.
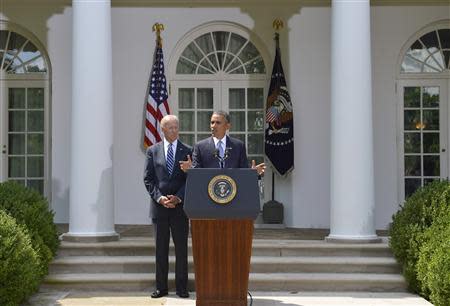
{"x":220,"y":148}
{"x":170,"y":159}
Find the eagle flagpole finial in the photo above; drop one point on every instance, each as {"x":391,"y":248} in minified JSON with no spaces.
{"x":277,"y":24}
{"x":158,"y":27}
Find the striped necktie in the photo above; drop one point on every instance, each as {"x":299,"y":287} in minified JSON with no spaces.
{"x":170,"y":160}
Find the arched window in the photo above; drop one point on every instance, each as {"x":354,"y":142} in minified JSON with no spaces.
{"x":19,"y":55}
{"x":429,"y":53}
{"x":220,"y":66}
{"x":24,"y":109}
{"x":221,"y":51}
{"x":424,"y":83}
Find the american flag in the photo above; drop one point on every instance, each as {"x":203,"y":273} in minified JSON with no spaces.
{"x":157,"y":106}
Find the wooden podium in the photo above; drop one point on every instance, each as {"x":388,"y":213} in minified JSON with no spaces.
{"x":222,"y":232}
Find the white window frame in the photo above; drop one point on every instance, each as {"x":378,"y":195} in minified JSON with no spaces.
{"x":26,"y":80}
{"x":444,"y":114}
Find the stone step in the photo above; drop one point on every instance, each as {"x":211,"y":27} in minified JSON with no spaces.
{"x":259,"y":264}
{"x":261,"y":247}
{"x":257,"y":282}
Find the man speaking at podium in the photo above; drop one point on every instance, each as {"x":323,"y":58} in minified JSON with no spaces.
{"x":220,"y":150}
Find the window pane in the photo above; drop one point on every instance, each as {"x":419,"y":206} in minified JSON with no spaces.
{"x":255,"y":143}
{"x":411,"y":65}
{"x":17,"y":121}
{"x":17,"y":98}
{"x":35,"y":98}
{"x":16,"y":144}
{"x":238,"y":136}
{"x":16,"y":41}
{"x":3,"y":38}
{"x":203,"y":121}
{"x":205,"y":98}
{"x":16,"y":166}
{"x":37,"y":185}
{"x":255,"y":120}
{"x":411,"y":185}
{"x":255,"y":98}
{"x":36,"y":121}
{"x":240,"y":70}
{"x":192,"y":53}
{"x":255,"y":66}
{"x":35,"y":166}
{"x":220,"y":40}
{"x":237,"y":98}
{"x":412,"y":142}
{"x":35,"y":144}
{"x":187,"y":121}
{"x":431,"y":120}
{"x":38,"y":65}
{"x":412,"y":120}
{"x":187,"y":139}
{"x":412,"y":165}
{"x":201,"y":136}
{"x":431,"y":97}
{"x":431,"y":165}
{"x":186,"y":98}
{"x":185,"y":67}
{"x":431,"y":142}
{"x":236,"y":43}
{"x":412,"y":96}
{"x":249,"y":53}
{"x":237,"y":121}
{"x":205,"y":43}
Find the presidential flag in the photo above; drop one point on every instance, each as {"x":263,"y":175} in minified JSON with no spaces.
{"x":279,"y":134}
{"x":157,"y":106}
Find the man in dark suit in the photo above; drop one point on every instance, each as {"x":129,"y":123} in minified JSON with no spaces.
{"x":207,"y":151}
{"x":165,"y":182}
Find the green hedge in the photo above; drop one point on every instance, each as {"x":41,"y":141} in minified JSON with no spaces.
{"x":19,"y":263}
{"x":433,"y":267}
{"x":31,"y":209}
{"x":418,"y":235}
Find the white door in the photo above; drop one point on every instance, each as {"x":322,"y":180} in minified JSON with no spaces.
{"x":423,"y":140}
{"x":23,"y":133}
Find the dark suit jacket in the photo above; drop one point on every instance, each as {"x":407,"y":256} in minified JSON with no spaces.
{"x":157,"y":179}
{"x":203,"y":155}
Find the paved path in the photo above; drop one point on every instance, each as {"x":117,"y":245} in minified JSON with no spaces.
{"x":259,"y":299}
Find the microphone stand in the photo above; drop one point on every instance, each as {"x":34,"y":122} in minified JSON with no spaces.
{"x":222,"y":159}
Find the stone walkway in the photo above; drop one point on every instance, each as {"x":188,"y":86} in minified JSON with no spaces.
{"x":259,"y":299}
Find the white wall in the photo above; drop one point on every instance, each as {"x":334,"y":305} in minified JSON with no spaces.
{"x":305,"y":46}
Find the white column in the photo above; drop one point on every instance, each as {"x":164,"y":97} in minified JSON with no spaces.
{"x":91,"y":186}
{"x":352,"y":182}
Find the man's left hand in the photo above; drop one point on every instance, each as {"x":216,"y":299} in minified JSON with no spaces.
{"x":260,"y":168}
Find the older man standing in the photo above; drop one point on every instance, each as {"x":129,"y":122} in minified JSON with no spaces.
{"x":165,"y":182}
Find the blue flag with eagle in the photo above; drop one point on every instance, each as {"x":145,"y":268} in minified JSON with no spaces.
{"x":279,"y":135}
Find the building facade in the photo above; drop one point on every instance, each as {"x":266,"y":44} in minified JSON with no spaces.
{"x":369,"y":82}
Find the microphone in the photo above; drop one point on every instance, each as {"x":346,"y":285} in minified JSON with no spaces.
{"x":227,"y":153}
{"x":216,"y":153}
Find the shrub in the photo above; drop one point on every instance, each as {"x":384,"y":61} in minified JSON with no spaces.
{"x":410,"y":223}
{"x":30,"y":209}
{"x":19,"y":264}
{"x":433,"y":267}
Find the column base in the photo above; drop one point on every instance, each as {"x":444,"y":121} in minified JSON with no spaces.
{"x":100,"y":237}
{"x":353,"y":239}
